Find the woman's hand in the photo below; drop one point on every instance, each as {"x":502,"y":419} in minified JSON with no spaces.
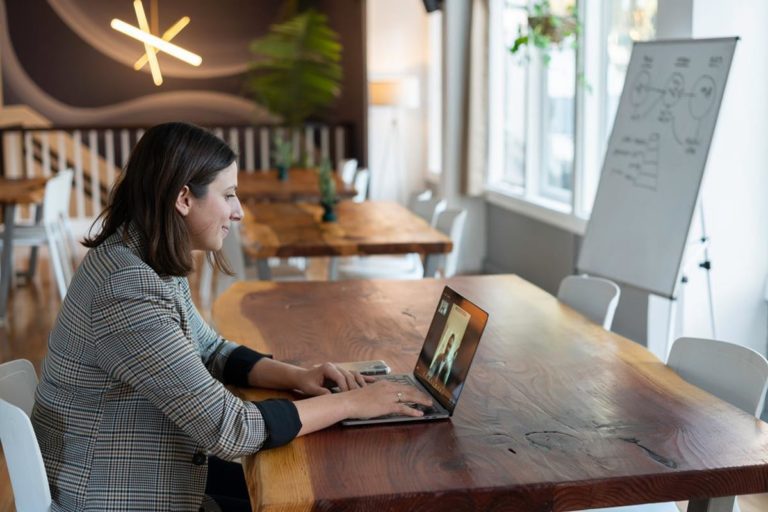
{"x":382,"y":397}
{"x":312,"y":381}
{"x":385,"y":397}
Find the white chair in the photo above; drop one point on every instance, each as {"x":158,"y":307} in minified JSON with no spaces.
{"x":594,"y":297}
{"x":362,"y":178}
{"x":733,"y":373}
{"x":22,"y":453}
{"x":419,"y":195}
{"x":449,"y":222}
{"x":54,"y":231}
{"x":428,"y":208}
{"x":18,"y":382}
{"x":347,"y":170}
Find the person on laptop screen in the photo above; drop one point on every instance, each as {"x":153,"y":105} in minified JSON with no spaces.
{"x":440,"y":368}
{"x":453,"y":334}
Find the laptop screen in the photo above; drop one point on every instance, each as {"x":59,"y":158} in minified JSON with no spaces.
{"x":450,"y":345}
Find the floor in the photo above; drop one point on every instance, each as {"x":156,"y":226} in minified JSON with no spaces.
{"x":32,"y":312}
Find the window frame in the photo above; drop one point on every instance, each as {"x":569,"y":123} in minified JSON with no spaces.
{"x":590,"y":131}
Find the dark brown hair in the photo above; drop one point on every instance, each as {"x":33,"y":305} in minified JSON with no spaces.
{"x":168,"y":157}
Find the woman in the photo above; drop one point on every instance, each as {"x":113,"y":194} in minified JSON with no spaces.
{"x":131,"y":399}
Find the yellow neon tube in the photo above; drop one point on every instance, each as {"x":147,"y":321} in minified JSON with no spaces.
{"x":163,"y":46}
{"x":167,"y":36}
{"x":154,"y":66}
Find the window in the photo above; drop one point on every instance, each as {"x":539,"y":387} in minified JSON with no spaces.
{"x":549,"y":127}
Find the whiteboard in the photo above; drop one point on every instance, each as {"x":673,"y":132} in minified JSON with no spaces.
{"x":655,"y":161}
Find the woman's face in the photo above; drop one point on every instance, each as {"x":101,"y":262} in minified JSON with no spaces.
{"x":209,"y":218}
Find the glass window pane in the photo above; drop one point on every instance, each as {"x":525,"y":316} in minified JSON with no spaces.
{"x":558,"y":125}
{"x":515,"y":15}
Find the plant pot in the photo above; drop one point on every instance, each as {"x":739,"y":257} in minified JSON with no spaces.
{"x":282,"y":172}
{"x":554,"y":28}
{"x":329,"y":212}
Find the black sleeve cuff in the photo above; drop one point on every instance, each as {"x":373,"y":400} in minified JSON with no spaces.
{"x":239,"y":364}
{"x":282,"y":421}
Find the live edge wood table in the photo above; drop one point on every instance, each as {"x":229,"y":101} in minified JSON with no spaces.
{"x":301,"y":185}
{"x":370,"y":227}
{"x":557,"y":413}
{"x":14,"y":191}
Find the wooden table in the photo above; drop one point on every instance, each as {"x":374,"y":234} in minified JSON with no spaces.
{"x":557,"y":413}
{"x":301,"y":185}
{"x":371,"y":227}
{"x":13,"y":192}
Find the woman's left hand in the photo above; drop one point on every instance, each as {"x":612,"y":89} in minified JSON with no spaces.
{"x":313,"y":381}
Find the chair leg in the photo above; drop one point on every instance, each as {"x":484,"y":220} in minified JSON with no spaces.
{"x":30,"y":274}
{"x":724,"y":504}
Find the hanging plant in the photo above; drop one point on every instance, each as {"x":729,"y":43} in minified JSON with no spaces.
{"x":547,"y":30}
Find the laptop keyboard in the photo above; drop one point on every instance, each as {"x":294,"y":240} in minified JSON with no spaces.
{"x":408,"y":381}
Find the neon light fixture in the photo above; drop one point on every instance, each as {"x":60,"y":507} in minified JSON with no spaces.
{"x":154,"y":44}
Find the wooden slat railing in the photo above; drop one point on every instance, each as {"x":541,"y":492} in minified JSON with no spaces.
{"x":98,"y":153}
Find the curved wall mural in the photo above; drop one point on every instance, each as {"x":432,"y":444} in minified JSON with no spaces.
{"x":61,"y":58}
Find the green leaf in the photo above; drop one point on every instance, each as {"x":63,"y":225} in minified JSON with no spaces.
{"x":520,"y":41}
{"x":326,"y":183}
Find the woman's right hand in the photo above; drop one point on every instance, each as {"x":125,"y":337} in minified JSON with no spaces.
{"x":384,"y":397}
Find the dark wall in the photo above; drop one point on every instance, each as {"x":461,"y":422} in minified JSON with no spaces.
{"x":71,"y":71}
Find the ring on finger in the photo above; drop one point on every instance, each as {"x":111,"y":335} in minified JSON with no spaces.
{"x":399,"y":396}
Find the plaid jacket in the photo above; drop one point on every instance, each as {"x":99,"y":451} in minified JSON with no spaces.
{"x":131,"y":399}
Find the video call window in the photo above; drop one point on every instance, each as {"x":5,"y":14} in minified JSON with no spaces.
{"x":450,"y":341}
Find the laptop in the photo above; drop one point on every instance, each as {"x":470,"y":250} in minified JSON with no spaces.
{"x":443,"y":364}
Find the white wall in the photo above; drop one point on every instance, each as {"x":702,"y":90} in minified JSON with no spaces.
{"x":735,"y":183}
{"x":397,"y":40}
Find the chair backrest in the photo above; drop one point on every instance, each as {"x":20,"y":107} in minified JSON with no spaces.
{"x":594,"y":297}
{"x":18,"y":382}
{"x":451,"y":222}
{"x":347,"y":169}
{"x":429,"y":209}
{"x":362,"y":177}
{"x":61,"y":245}
{"x":57,"y":194}
{"x":419,"y":195}
{"x":25,"y":463}
{"x":731,"y":372}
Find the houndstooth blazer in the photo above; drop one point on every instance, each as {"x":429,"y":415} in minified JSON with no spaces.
{"x":131,"y":402}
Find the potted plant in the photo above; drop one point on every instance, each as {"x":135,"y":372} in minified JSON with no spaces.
{"x":547,"y":29}
{"x":296,"y":71}
{"x":283,"y":154}
{"x":327,"y":186}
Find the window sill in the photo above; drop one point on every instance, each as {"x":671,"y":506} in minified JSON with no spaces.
{"x":549,"y":212}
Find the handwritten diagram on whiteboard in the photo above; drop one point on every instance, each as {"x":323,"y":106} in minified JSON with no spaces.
{"x":655,"y":161}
